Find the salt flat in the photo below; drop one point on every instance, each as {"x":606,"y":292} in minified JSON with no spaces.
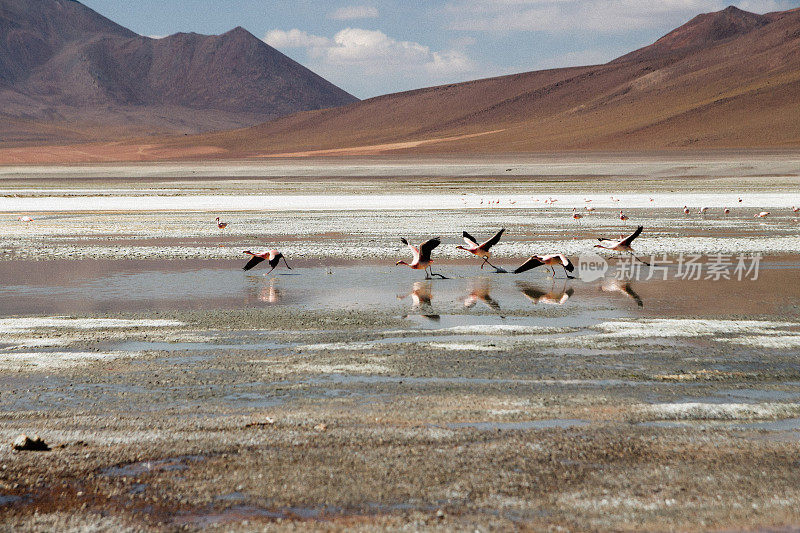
{"x":503,"y":401}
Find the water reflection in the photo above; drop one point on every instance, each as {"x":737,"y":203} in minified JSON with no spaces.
{"x":554,"y":296}
{"x":421,"y":297}
{"x":623,"y":287}
{"x":263,"y":292}
{"x":479,"y":292}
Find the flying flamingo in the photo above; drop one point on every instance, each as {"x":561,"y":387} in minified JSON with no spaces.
{"x":422,"y":256}
{"x":481,"y":250}
{"x":221,"y":225}
{"x":549,"y":260}
{"x":623,"y":245}
{"x":273,"y":256}
{"x":762,"y":214}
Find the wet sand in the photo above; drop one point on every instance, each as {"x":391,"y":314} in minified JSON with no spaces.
{"x":178,"y":392}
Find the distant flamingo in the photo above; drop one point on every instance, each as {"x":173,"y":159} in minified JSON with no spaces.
{"x":622,"y":245}
{"x":549,"y":260}
{"x":589,"y":208}
{"x":703,"y":210}
{"x":576,"y":216}
{"x":273,"y":257}
{"x":685,"y":210}
{"x":795,"y":209}
{"x":623,"y":217}
{"x":422,"y":256}
{"x":221,"y":225}
{"x":25,"y":218}
{"x":740,"y":200}
{"x":482,"y":250}
{"x":726,"y":211}
{"x":762,"y":214}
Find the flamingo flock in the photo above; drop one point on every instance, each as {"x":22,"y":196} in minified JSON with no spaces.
{"x":422,"y":260}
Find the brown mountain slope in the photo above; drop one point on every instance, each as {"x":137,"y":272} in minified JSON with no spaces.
{"x":726,"y":79}
{"x":63,"y":65}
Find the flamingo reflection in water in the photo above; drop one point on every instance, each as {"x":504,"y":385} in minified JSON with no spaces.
{"x":552,"y":297}
{"x":622,"y":287}
{"x":421,"y":297}
{"x":479,"y":292}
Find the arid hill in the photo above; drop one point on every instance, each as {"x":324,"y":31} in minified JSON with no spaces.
{"x":729,"y":79}
{"x":66,"y":72}
{"x":724,"y":79}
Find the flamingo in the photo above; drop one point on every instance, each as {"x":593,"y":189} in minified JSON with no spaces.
{"x":221,"y":225}
{"x":726,"y":211}
{"x":273,"y":257}
{"x":622,"y":245}
{"x":589,"y":208}
{"x":422,"y":256}
{"x":482,"y":250}
{"x":25,"y":218}
{"x":795,"y":209}
{"x":703,"y":210}
{"x":762,"y":214}
{"x":537,"y":296}
{"x":740,"y":200}
{"x":549,"y":260}
{"x":623,"y":217}
{"x":576,"y":216}
{"x":685,"y":210}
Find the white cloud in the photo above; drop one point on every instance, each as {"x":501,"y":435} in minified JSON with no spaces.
{"x":354,"y":12}
{"x":294,"y":39}
{"x":375,"y":60}
{"x":569,"y":16}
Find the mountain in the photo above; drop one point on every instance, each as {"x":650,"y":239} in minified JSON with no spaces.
{"x":725,"y":79}
{"x":67,"y":72}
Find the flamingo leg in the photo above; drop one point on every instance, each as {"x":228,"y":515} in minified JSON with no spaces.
{"x":442,"y":276}
{"x":640,"y":260}
{"x":567,"y":274}
{"x":287,"y":264}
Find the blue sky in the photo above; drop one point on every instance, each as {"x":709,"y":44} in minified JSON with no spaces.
{"x":376,"y":47}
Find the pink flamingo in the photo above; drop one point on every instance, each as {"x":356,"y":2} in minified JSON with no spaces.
{"x":623,"y":217}
{"x":273,"y":256}
{"x":25,"y":218}
{"x":685,"y":210}
{"x":795,"y":209}
{"x":481,"y":250}
{"x":576,"y":216}
{"x":622,"y":245}
{"x":221,"y":225}
{"x":762,"y":214}
{"x":726,"y":211}
{"x":422,"y":256}
{"x":549,"y":260}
